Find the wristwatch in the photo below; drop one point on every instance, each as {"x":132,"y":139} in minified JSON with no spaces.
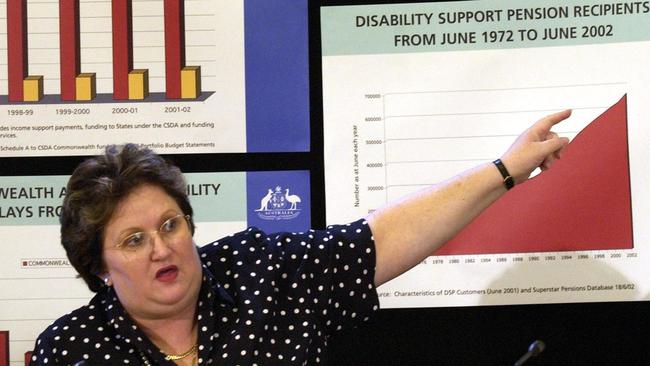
{"x":508,"y":180}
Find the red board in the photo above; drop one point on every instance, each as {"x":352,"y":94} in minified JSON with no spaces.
{"x":582,"y":203}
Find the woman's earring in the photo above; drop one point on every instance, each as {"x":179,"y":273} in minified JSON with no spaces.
{"x":108,"y":282}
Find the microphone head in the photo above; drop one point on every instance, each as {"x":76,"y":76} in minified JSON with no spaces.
{"x":536,"y":348}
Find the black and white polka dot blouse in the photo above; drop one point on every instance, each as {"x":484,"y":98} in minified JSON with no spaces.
{"x":265,"y":300}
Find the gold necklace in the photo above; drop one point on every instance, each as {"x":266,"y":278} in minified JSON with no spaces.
{"x":182,"y":355}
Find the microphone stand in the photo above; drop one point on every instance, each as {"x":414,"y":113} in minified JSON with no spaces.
{"x":534,"y":349}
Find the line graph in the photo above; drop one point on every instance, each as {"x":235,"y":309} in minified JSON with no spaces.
{"x":593,"y":217}
{"x":429,"y":136}
{"x":401,"y":119}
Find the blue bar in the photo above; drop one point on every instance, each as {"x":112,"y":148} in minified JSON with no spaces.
{"x":277,"y":75}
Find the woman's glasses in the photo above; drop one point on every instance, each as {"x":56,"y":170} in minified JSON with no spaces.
{"x":139,"y":244}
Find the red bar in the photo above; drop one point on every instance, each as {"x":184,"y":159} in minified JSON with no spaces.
{"x":70,"y":48}
{"x":174,"y":46}
{"x":122,"y":47}
{"x":4,"y":348}
{"x":17,"y":47}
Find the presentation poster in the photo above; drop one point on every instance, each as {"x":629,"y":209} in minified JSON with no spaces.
{"x":200,"y":76}
{"x":416,"y":93}
{"x":38,"y":284}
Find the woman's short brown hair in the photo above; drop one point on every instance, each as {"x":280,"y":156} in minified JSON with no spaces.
{"x":96,"y":187}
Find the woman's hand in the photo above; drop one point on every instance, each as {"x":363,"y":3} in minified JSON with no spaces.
{"x":536,"y":147}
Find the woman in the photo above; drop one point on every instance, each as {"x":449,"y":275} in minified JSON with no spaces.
{"x":250,"y":298}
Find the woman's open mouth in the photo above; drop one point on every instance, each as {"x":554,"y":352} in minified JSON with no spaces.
{"x":167,"y":274}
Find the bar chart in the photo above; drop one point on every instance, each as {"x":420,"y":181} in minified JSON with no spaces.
{"x":78,"y":75}
{"x":179,"y":76}
{"x":82,"y":31}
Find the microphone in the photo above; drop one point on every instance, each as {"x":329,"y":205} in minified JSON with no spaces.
{"x":534,"y":349}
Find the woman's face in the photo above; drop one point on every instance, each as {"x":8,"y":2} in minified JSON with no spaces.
{"x":163,"y":275}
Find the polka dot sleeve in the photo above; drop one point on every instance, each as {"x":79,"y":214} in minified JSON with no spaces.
{"x":345,"y":282}
{"x":44,"y":353}
{"x":320,"y":276}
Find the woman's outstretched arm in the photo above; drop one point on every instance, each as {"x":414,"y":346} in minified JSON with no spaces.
{"x":408,"y":230}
